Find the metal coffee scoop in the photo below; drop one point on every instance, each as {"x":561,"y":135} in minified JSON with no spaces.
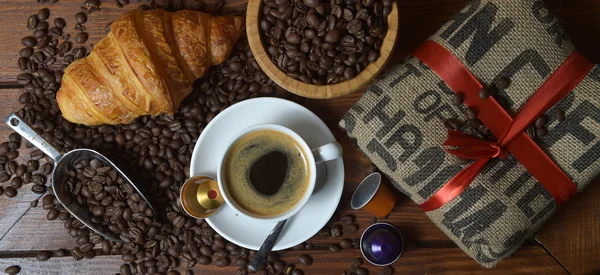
{"x":64,"y":163}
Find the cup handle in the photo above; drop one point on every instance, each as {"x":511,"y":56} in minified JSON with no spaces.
{"x":327,"y":152}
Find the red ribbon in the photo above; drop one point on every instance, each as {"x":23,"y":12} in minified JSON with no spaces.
{"x":512,"y":137}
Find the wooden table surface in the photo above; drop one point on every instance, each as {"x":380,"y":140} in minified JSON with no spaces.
{"x":568,"y":244}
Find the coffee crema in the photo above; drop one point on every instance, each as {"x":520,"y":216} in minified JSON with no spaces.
{"x":266,"y":173}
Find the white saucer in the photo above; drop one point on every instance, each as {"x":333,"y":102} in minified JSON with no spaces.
{"x":321,"y":206}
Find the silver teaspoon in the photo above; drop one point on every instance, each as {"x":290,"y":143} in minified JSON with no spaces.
{"x":266,"y":247}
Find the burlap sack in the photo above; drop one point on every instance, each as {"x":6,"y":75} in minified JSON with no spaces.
{"x":398,"y":124}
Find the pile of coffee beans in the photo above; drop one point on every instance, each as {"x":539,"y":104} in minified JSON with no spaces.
{"x":30,"y":172}
{"x":324,"y":42}
{"x":113,"y":204}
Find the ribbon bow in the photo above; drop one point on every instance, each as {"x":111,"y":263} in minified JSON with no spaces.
{"x":510,"y":131}
{"x":468,"y":147}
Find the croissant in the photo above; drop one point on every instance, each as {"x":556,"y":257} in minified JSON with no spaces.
{"x":145,"y":65}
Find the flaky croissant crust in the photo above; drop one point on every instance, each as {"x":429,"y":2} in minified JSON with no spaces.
{"x":145,"y":65}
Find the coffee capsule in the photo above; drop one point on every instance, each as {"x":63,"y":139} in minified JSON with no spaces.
{"x":200,"y":196}
{"x":373,"y":196}
{"x":381,"y":244}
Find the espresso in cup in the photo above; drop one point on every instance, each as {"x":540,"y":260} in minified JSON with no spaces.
{"x":266,"y":173}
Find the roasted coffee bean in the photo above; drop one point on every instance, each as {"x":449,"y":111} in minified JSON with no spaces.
{"x":32,"y":165}
{"x":38,"y":57}
{"x":560,"y":115}
{"x":13,"y":269}
{"x":22,"y":63}
{"x":203,"y":260}
{"x":42,"y":25}
{"x":362,"y":271}
{"x":9,"y":191}
{"x":43,"y":255}
{"x":32,"y":22}
{"x":39,"y":34}
{"x":541,"y":132}
{"x":128,"y":257}
{"x":63,"y":216}
{"x":52,"y":214}
{"x":541,"y":121}
{"x":346,"y":243}
{"x":79,"y":53}
{"x":43,"y":14}
{"x":49,"y":51}
{"x":336,"y":231}
{"x":297,"y":272}
{"x":240,"y":261}
{"x":125,"y":269}
{"x":59,"y":253}
{"x":68,"y":58}
{"x":484,"y":93}
{"x":107,"y":27}
{"x":349,"y":229}
{"x":334,"y":247}
{"x":223,"y":253}
{"x":531,"y":131}
{"x":223,"y":261}
{"x":27,"y":175}
{"x":92,"y":3}
{"x":25,"y":53}
{"x":347,"y":219}
{"x":29,"y":41}
{"x":24,"y":78}
{"x":16,"y":182}
{"x":38,"y":189}
{"x":55,"y":31}
{"x":60,"y":22}
{"x":81,"y":37}
{"x":288,"y":269}
{"x":36,"y":154}
{"x":305,"y":259}
{"x":81,"y":17}
{"x":458,"y":99}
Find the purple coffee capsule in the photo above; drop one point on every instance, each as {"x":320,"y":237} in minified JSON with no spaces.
{"x":381,"y":244}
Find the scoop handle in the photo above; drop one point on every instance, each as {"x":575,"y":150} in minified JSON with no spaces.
{"x":24,"y":129}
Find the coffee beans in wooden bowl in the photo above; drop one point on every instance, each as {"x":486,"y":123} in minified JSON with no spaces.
{"x":322,"y":49}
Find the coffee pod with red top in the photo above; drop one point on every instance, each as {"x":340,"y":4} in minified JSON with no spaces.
{"x":200,"y":196}
{"x":381,"y":244}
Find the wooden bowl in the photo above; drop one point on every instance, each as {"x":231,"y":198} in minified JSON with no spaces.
{"x":298,"y":87}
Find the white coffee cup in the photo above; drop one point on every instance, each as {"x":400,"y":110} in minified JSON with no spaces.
{"x":317,"y":155}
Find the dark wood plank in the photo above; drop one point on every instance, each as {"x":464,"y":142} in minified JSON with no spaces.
{"x":12,"y":209}
{"x":530,"y":260}
{"x":34,"y":232}
{"x":573,"y":232}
